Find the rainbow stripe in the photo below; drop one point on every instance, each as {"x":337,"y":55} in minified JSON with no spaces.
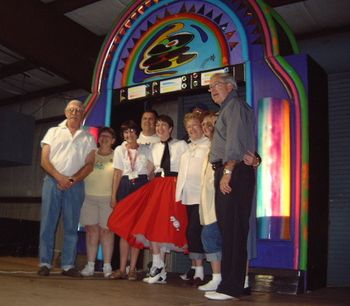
{"x":131,"y":64}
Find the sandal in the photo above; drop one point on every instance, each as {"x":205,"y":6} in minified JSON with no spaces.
{"x":118,"y":275}
{"x":132,"y":276}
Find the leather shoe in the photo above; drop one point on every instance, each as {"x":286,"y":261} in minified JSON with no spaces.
{"x":196,"y":282}
{"x":44,"y":271}
{"x":217,"y":296}
{"x":247,"y":291}
{"x":72,"y":272}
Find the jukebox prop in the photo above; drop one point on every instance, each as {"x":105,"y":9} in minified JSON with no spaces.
{"x":166,"y":47}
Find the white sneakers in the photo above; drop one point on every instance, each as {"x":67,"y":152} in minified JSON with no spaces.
{"x":156,"y":276}
{"x":107,"y":270}
{"x":210,"y":286}
{"x":88,"y":270}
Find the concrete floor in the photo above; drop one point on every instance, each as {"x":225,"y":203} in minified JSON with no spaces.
{"x":20,"y":285}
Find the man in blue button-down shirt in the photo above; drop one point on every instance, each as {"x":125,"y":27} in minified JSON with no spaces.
{"x":234,"y":182}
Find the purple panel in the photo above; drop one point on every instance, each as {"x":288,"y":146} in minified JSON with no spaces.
{"x":97,"y":115}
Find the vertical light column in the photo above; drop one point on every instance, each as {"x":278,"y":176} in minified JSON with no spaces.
{"x":274,"y":174}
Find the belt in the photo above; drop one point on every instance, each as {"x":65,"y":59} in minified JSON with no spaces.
{"x":140,"y":177}
{"x":170,"y":173}
{"x":216,"y":165}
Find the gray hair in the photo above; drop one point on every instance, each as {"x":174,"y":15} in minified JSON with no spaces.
{"x":227,"y":78}
{"x":76,"y":102}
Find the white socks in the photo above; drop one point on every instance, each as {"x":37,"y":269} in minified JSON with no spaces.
{"x":91,"y":265}
{"x":157,"y":261}
{"x":246,"y":281}
{"x":199,"y":272}
{"x":216,"y":277}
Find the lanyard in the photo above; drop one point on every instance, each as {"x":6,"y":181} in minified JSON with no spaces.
{"x":132,"y":160}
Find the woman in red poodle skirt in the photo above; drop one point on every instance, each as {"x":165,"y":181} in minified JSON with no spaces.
{"x":150,"y":216}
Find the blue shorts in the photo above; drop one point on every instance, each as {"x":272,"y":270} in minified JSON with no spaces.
{"x":212,"y":241}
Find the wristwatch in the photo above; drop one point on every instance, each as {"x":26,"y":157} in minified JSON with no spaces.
{"x":227,"y":171}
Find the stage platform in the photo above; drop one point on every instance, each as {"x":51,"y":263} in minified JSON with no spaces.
{"x":20,"y":285}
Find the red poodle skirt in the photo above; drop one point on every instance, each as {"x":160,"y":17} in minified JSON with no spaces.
{"x":151,"y":214}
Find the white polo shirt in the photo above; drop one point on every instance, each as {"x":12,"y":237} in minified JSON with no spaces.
{"x":68,"y":153}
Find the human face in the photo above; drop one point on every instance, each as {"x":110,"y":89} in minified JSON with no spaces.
{"x":163,"y":130}
{"x":194,"y":129}
{"x":74,"y":113}
{"x":106,"y":140}
{"x":208,"y":126}
{"x":148,"y":123}
{"x":219,"y":89}
{"x":130,"y":136}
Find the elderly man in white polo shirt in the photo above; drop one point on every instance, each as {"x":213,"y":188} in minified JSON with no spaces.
{"x":67,"y":158}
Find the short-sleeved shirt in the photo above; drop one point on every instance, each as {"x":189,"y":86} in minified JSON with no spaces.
{"x":68,"y":153}
{"x":124,"y":159}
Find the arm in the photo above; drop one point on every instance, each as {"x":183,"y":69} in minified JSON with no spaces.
{"x":116,"y":181}
{"x":62,"y":180}
{"x":86,"y":169}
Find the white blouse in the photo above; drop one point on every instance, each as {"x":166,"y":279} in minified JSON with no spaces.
{"x":132,"y":160}
{"x":188,"y":186}
{"x":176,"y":148}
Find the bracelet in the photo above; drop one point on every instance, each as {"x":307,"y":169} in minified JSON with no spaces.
{"x":227,"y":171}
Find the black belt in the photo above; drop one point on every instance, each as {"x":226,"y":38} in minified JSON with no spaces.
{"x":216,"y":165}
{"x":141,"y":176}
{"x":170,"y":173}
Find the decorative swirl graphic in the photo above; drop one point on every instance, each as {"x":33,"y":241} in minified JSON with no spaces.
{"x":169,"y":51}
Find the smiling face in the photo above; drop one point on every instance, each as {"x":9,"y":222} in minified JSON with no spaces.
{"x":208,"y":125}
{"x":148,"y":123}
{"x":130,"y":136}
{"x":194,"y":129}
{"x":163,"y":130}
{"x":219,"y":89}
{"x":106,"y":140}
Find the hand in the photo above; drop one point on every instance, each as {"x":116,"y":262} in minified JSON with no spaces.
{"x":224,"y":184}
{"x":249,"y":158}
{"x":63,"y":182}
{"x":113,"y":203}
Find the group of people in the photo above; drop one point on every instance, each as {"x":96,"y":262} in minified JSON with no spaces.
{"x":155,"y":192}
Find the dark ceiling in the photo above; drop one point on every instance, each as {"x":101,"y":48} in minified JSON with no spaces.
{"x":51,"y":46}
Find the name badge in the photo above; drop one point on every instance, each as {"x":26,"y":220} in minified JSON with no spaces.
{"x":133,"y":175}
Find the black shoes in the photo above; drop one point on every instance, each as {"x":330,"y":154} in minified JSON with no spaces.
{"x":72,"y":272}
{"x":44,"y":271}
{"x":188,"y":275}
{"x":247,"y":291}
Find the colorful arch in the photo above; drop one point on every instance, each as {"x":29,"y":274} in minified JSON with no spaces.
{"x":246,"y":33}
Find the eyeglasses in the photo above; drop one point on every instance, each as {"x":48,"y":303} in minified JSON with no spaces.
{"x":75,"y":110}
{"x":211,"y":86}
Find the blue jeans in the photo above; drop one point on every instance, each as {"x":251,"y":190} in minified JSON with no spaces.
{"x":56,"y":202}
{"x":212,"y":241}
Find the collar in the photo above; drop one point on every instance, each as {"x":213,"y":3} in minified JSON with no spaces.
{"x":200,"y":140}
{"x":232,"y":95}
{"x":167,"y":141}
